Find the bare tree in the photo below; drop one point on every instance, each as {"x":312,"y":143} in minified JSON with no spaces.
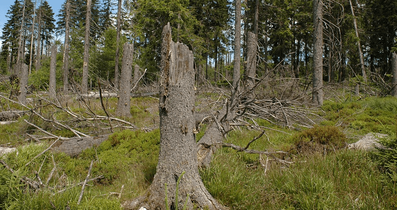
{"x":23,"y":84}
{"x":237,"y":46}
{"x":394,"y":70}
{"x":318,"y":94}
{"x":20,"y":46}
{"x":177,"y":161}
{"x":123,"y":105}
{"x":360,"y":52}
{"x":52,"y":86}
{"x":250,"y":70}
{"x":84,"y":82}
{"x":66,"y":50}
{"x":38,"y":53}
{"x":32,"y":39}
{"x":116,"y":67}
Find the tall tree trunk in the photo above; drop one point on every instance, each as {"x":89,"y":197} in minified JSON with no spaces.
{"x":359,"y":45}
{"x":84,"y":82}
{"x":32,"y":39}
{"x":256,"y":18}
{"x":20,"y":46}
{"x":66,"y":50}
{"x":237,"y":46}
{"x":318,"y":53}
{"x":123,"y":105}
{"x":53,"y":64}
{"x":394,"y":70}
{"x":116,"y":67}
{"x":23,"y":84}
{"x":250,"y":70}
{"x":38,"y":53}
{"x":178,"y":157}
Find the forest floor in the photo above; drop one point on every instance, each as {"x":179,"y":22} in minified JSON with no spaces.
{"x":314,"y":169}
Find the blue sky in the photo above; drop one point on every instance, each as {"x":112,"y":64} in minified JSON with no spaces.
{"x":6,"y":4}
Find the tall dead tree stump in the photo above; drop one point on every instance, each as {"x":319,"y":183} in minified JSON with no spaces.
{"x":177,"y":160}
{"x":123,"y":105}
{"x":52,"y":86}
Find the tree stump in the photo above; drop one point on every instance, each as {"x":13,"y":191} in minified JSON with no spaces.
{"x":177,"y":160}
{"x":123,"y":105}
{"x":23,"y":85}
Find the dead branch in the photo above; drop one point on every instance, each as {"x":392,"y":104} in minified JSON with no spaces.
{"x":26,"y":180}
{"x":42,"y":130}
{"x":80,"y":183}
{"x":136,"y":83}
{"x":41,"y":153}
{"x":85,"y":182}
{"x":256,"y":138}
{"x":103,"y":107}
{"x":52,"y":171}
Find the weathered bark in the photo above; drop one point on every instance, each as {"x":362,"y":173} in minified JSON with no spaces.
{"x":116,"y":66}
{"x":177,"y":158}
{"x":23,"y":84}
{"x":66,"y":50}
{"x":32,"y":38}
{"x":84,"y":82}
{"x":237,"y":46}
{"x":256,"y":18}
{"x":250,"y":70}
{"x":360,"y":52}
{"x":123,"y":105}
{"x":11,"y":115}
{"x":394,"y":70}
{"x":318,"y":53}
{"x":38,"y":53}
{"x":137,"y":74}
{"x":53,"y":63}
{"x":20,"y":47}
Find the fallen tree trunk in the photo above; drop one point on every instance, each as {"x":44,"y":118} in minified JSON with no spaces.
{"x":74,"y":146}
{"x":11,"y":115}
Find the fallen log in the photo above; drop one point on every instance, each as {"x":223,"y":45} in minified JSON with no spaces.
{"x":11,"y":115}
{"x":74,"y":146}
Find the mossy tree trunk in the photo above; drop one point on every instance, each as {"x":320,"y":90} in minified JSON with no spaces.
{"x":53,"y":63}
{"x":66,"y":50}
{"x":177,"y":158}
{"x":123,"y":105}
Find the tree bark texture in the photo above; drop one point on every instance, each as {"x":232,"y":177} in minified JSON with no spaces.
{"x":123,"y":105}
{"x":19,"y":66}
{"x":23,"y":84}
{"x":237,"y":46}
{"x":32,"y":39}
{"x":53,"y":64}
{"x":116,"y":66}
{"x":66,"y":51}
{"x":177,"y":158}
{"x":38,"y":54}
{"x":250,"y":70}
{"x":394,"y":70}
{"x":318,"y":53}
{"x":84,"y":82}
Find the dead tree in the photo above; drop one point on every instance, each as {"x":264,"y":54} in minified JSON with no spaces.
{"x":66,"y":50}
{"x":23,"y":84}
{"x":360,"y":52}
{"x":52,"y":86}
{"x":177,"y":160}
{"x":116,"y":67}
{"x":318,"y":93}
{"x":84,"y":82}
{"x":394,"y":70}
{"x":123,"y":105}
{"x":250,"y":70}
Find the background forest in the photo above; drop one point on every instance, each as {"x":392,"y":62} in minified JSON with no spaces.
{"x":284,"y":30}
